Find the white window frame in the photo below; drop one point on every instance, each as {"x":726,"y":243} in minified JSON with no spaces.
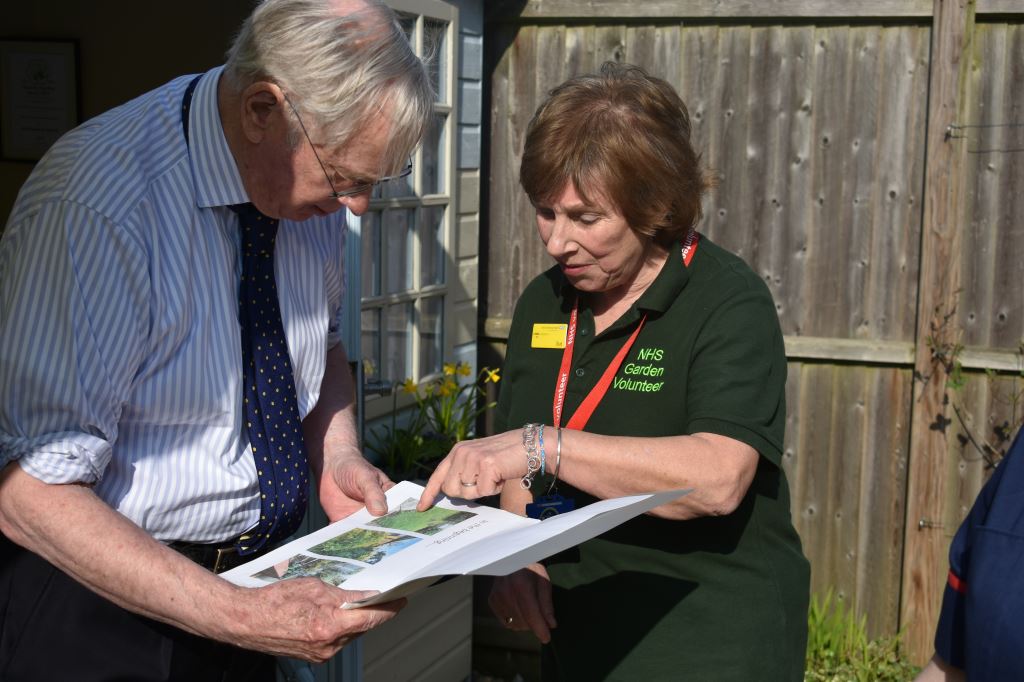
{"x":356,"y":301}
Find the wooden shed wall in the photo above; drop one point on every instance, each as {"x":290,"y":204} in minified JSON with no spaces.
{"x":817,"y":129}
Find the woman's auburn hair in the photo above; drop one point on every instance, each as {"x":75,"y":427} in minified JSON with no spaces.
{"x":625,"y":135}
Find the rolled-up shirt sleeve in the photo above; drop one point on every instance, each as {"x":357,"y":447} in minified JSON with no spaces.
{"x":73,"y":320}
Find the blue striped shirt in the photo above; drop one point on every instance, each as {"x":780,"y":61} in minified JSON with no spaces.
{"x":120,"y":361}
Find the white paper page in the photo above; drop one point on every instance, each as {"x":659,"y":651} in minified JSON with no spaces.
{"x":382,"y":552}
{"x":508,"y":552}
{"x":404,"y":551}
{"x":504,"y":553}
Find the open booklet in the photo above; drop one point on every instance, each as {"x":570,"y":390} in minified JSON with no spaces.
{"x":405,"y":550}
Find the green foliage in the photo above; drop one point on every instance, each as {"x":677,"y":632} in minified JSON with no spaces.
{"x":839,"y":650}
{"x":445,"y":413}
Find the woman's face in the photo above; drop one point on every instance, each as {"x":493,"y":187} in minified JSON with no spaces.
{"x":594,"y":245}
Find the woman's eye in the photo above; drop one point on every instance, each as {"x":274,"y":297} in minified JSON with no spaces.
{"x":545,"y":213}
{"x":588,"y":218}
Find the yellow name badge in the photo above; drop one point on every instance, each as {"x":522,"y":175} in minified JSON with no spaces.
{"x":548,"y":335}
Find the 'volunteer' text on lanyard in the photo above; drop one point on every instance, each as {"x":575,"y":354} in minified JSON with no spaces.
{"x":582,"y":415}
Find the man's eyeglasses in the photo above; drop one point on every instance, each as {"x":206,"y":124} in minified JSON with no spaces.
{"x":354,"y":190}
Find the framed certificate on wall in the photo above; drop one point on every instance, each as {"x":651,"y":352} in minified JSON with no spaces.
{"x":39,"y":96}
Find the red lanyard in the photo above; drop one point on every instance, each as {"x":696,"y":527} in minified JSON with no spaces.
{"x":582,"y":415}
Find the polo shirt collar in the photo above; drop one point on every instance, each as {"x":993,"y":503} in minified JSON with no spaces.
{"x":669,"y":283}
{"x":214,"y":171}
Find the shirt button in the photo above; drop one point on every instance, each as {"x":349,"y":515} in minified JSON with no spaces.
{"x":584,"y":331}
{"x":580,"y":372}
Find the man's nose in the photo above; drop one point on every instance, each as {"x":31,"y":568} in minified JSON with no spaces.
{"x":358,"y":203}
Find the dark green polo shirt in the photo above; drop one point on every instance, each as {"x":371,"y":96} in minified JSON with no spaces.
{"x":722,"y":598}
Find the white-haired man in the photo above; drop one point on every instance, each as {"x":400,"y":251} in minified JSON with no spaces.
{"x":170,"y":360}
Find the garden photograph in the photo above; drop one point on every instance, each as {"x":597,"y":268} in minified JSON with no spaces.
{"x":430,"y":522}
{"x":305,"y":566}
{"x":368,"y":546}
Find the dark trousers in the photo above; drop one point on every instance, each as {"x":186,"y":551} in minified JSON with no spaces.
{"x":53,"y":628}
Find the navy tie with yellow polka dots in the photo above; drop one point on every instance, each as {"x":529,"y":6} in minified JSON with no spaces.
{"x":271,"y":408}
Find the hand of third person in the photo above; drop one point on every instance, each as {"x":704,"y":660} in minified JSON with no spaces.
{"x":522,"y":601}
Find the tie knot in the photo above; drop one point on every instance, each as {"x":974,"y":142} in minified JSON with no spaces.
{"x":258,"y":230}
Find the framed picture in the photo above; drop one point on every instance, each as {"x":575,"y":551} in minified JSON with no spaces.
{"x":38,"y":96}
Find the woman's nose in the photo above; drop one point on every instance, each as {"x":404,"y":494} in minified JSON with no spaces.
{"x":558,"y":243}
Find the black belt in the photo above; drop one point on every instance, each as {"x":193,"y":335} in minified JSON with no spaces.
{"x":218,"y":558}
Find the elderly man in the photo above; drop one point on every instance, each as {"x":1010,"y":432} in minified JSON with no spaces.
{"x":170,"y":363}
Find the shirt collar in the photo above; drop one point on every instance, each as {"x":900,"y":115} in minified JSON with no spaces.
{"x":216,"y":176}
{"x":669,"y":283}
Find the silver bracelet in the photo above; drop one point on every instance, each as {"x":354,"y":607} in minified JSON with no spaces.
{"x":558,"y":462}
{"x":530,"y":442}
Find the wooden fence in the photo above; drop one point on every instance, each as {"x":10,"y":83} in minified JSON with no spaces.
{"x":871,"y":162}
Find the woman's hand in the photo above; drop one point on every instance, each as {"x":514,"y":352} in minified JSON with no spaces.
{"x":522,"y":601}
{"x":477,"y":468}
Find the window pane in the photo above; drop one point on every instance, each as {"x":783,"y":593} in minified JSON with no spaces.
{"x":436,"y":46}
{"x":370,"y":329}
{"x":398,"y":235}
{"x":397,"y":342}
{"x":370,"y":264}
{"x":408,"y":23}
{"x":399,"y":187}
{"x":434,"y":156}
{"x":432,"y":249}
{"x":431,"y":334}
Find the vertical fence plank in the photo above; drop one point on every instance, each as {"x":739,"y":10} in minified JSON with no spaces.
{"x":667,"y":61}
{"x":855,"y":143}
{"x":609,"y":44}
{"x":729,"y":114}
{"x":579,"y":50}
{"x":890,"y":293}
{"x":924,"y":549}
{"x":846,"y":429}
{"x":881,"y":506}
{"x":797,"y":213}
{"x":994,"y":252}
{"x":1006,"y":106}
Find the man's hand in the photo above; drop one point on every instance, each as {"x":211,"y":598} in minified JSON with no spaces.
{"x":102,"y":549}
{"x":349,"y":483}
{"x":303,"y":618}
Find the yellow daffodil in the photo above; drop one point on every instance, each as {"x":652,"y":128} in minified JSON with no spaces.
{"x":447,"y":387}
{"x":446,"y":407}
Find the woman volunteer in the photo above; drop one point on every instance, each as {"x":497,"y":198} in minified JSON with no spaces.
{"x":647,"y":359}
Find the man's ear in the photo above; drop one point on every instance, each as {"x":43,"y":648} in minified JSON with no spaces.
{"x":261,"y":109}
